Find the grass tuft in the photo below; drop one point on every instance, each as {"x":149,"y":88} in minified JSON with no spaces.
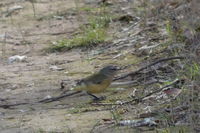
{"x":92,"y":34}
{"x":89,"y":38}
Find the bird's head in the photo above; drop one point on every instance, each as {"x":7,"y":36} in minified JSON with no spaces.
{"x":109,"y":70}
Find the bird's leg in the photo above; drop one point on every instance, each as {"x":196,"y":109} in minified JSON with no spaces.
{"x":95,"y":98}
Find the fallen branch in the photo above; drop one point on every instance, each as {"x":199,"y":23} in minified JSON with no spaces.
{"x":7,"y":106}
{"x":53,"y":34}
{"x":154,"y":92}
{"x":145,"y":67}
{"x":138,"y":100}
{"x":123,"y":84}
{"x":2,"y":99}
{"x":138,"y":123}
{"x":48,"y":100}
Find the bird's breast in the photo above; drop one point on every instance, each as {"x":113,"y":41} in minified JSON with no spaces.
{"x":97,"y":88}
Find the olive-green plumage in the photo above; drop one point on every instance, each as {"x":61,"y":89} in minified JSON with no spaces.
{"x":98,"y":82}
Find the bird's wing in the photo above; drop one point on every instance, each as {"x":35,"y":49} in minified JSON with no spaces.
{"x":95,"y":79}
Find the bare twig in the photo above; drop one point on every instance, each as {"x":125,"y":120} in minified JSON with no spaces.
{"x":154,"y":92}
{"x":58,"y":97}
{"x":33,"y":6}
{"x":7,"y":106}
{"x":95,"y":125}
{"x":145,"y":67}
{"x":123,"y":84}
{"x":2,"y":99}
{"x":138,"y":100}
{"x":53,"y":34}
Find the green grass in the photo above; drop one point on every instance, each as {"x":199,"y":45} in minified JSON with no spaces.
{"x":175,"y":34}
{"x":89,"y":38}
{"x":92,"y":34}
{"x":88,"y":9}
{"x":190,"y":71}
{"x":175,"y":129}
{"x":194,"y":70}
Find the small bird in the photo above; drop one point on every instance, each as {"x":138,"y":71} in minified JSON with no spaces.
{"x":98,"y":82}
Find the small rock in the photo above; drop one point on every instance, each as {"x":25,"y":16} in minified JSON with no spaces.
{"x":3,"y":36}
{"x":22,"y":111}
{"x":17,"y":58}
{"x":119,"y":102}
{"x":48,"y":97}
{"x":30,"y":85}
{"x":8,"y":90}
{"x":59,"y":17}
{"x":13,"y":9}
{"x":55,"y":68}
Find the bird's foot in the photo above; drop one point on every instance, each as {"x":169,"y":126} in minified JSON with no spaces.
{"x":96,"y":99}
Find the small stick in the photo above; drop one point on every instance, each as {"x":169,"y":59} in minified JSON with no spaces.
{"x":145,"y":67}
{"x":48,"y":100}
{"x":6,"y":106}
{"x":137,"y":100}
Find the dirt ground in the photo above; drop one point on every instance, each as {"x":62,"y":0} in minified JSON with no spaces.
{"x":29,"y":33}
{"x":33,"y":79}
